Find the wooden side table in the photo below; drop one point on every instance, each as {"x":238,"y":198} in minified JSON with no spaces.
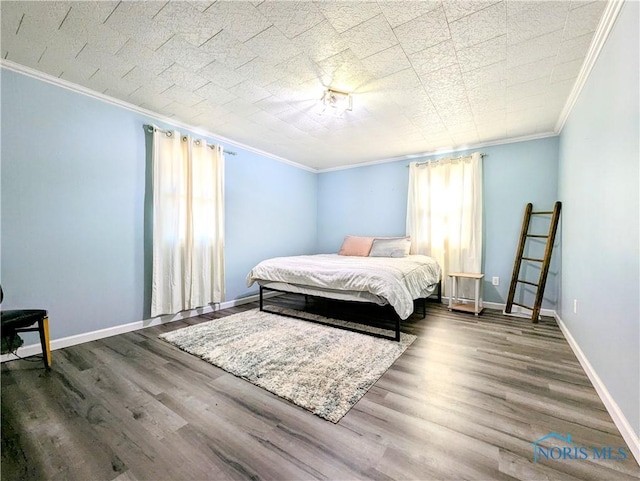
{"x":454,"y":301}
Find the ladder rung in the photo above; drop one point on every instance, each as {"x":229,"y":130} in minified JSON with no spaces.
{"x":522,"y":305}
{"x":527,"y":282}
{"x":542,"y":212}
{"x":532,"y":259}
{"x":537,"y":235}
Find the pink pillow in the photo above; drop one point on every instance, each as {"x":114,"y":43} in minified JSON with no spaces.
{"x":356,"y":246}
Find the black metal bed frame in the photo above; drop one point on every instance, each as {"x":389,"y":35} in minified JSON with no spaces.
{"x":397,"y":319}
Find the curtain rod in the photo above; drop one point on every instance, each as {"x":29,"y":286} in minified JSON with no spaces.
{"x":151,"y":128}
{"x":482,"y":154}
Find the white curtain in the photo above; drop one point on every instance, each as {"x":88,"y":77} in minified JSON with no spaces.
{"x":188,"y":223}
{"x":444,"y":214}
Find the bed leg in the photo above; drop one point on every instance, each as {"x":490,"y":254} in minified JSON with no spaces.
{"x":424,"y":307}
{"x":440,"y":291}
{"x":261,"y":299}
{"x":397,"y":328}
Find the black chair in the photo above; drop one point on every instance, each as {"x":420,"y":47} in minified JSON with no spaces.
{"x":24,"y":320}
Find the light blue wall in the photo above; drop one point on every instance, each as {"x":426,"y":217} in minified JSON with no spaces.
{"x":74,"y":229}
{"x":271,"y":211}
{"x":372,"y":200}
{"x":363,"y":201}
{"x":599,"y":185}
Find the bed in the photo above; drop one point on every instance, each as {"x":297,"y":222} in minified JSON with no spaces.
{"x":394,"y":281}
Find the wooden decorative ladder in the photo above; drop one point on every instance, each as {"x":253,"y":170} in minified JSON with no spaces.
{"x":545,"y":261}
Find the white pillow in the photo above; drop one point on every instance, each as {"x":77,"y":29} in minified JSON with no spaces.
{"x":392,"y":247}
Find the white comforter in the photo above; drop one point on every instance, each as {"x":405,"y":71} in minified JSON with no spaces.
{"x":398,"y":280}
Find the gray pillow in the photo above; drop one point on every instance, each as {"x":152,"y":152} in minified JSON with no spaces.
{"x":396,"y":247}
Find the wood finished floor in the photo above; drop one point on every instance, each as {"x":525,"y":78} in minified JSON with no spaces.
{"x":465,"y":401}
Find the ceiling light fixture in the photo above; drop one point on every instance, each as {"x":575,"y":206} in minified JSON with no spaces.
{"x":336,"y":102}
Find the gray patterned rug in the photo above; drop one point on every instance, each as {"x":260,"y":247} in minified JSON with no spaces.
{"x":322,"y":369}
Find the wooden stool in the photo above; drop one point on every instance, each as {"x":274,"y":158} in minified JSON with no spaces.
{"x":454,"y":301}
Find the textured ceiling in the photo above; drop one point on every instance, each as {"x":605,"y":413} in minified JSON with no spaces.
{"x":425,"y":75}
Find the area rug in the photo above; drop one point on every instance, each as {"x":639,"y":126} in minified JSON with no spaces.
{"x":320,"y":368}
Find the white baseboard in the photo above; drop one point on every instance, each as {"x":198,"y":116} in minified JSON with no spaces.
{"x":33,"y":349}
{"x":619,"y":419}
{"x":516,"y":311}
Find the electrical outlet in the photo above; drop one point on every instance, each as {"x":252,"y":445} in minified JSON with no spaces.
{"x":575,"y":306}
{"x":495,"y":281}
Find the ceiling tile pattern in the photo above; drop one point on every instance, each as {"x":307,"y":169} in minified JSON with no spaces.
{"x":425,"y":75}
